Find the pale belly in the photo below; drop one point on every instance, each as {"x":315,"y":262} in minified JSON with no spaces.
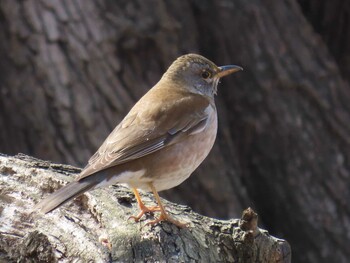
{"x":174,"y":164}
{"x":169,"y":166}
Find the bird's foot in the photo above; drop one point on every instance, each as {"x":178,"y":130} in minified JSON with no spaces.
{"x":166,"y":217}
{"x":144,"y":209}
{"x":163,"y":214}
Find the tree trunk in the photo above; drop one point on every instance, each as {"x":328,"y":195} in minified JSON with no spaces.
{"x":331,"y":20}
{"x":95,"y":228}
{"x":70,"y":70}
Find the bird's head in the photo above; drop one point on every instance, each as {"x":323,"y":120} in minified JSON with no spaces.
{"x":197,"y":74}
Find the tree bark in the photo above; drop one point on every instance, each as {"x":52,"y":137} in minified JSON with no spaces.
{"x":331,"y":20}
{"x":95,"y":227}
{"x":70,"y":70}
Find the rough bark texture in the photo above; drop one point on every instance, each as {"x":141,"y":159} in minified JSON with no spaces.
{"x":70,"y":70}
{"x":331,"y":19}
{"x":95,"y":228}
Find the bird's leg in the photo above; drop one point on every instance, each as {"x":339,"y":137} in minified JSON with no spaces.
{"x":144,"y":209}
{"x":164,"y":216}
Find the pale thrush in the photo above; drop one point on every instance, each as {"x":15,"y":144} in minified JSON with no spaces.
{"x":161,"y":141}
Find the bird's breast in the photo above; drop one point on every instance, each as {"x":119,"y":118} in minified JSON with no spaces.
{"x":175,"y":163}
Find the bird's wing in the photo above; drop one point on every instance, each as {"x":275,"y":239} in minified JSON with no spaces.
{"x":144,"y":131}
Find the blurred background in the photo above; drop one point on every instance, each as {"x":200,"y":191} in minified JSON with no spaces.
{"x":71,"y":69}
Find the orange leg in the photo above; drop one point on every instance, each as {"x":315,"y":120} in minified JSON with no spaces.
{"x":164,"y":216}
{"x":144,"y":209}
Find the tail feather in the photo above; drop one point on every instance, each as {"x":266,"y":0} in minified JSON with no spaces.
{"x":63,"y":195}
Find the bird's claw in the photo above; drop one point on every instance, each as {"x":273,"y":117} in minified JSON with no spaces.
{"x":166,"y":217}
{"x":144,"y":210}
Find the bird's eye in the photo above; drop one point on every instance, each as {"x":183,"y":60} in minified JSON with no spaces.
{"x":206,"y":74}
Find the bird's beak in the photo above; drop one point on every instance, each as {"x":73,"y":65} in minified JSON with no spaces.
{"x":227,"y":70}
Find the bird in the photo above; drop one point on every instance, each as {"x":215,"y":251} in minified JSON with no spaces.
{"x":165,"y":136}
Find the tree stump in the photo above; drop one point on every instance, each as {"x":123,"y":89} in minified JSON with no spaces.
{"x":95,"y":226}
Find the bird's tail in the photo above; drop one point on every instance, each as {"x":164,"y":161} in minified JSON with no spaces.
{"x":64,"y":194}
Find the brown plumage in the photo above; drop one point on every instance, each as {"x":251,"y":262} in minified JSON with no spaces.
{"x":161,"y":141}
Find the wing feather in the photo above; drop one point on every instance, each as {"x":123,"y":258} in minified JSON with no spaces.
{"x":143,"y":132}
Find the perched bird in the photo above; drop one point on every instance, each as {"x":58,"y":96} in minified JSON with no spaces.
{"x":161,"y":141}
